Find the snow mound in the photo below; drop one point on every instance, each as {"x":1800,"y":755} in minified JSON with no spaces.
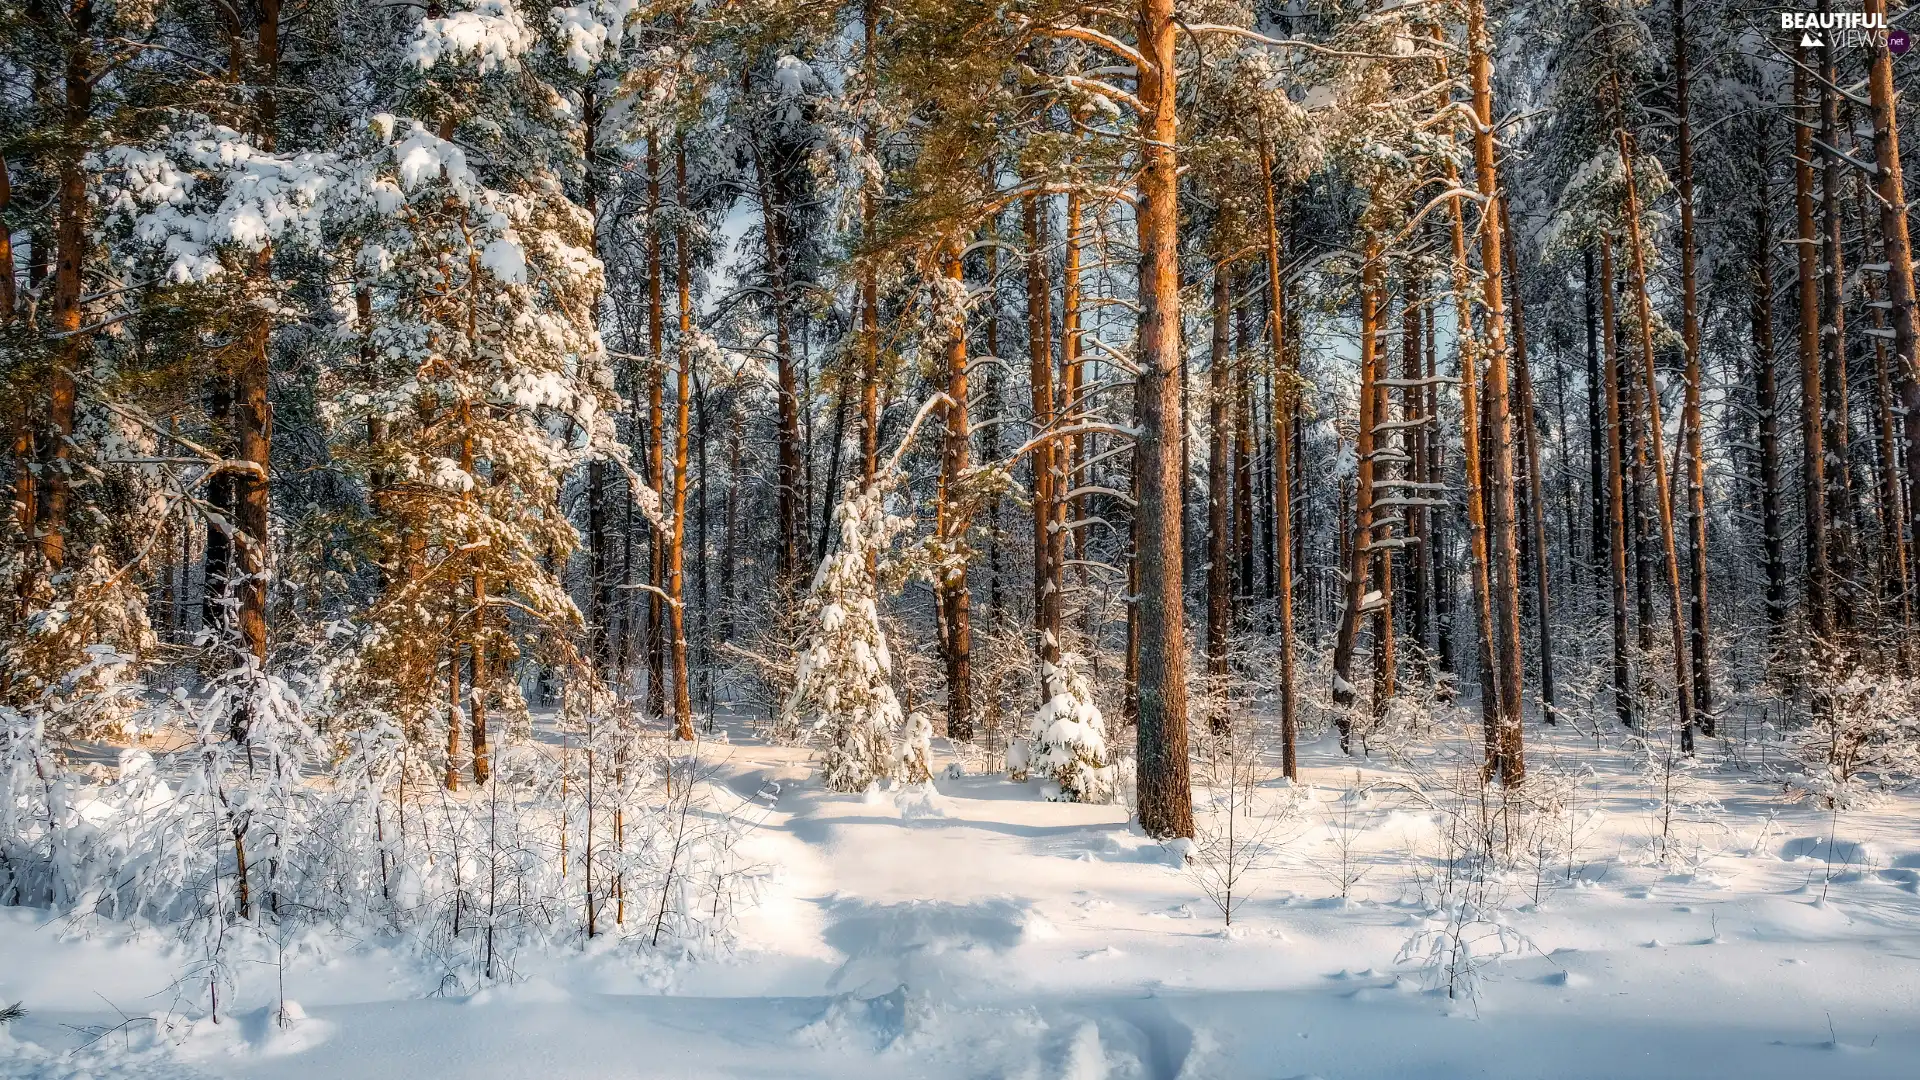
{"x":1823,"y":850}
{"x":922,"y":800}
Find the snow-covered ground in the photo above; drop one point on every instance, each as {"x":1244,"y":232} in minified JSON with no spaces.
{"x":978,"y":932}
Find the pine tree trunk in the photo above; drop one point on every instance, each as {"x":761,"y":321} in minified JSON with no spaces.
{"x":1833,"y":339}
{"x":1359,"y":551}
{"x":1441,"y":561}
{"x":1219,"y":588}
{"x":1067,"y":474}
{"x":1897,"y":252}
{"x":1165,"y":798}
{"x":1420,"y":432}
{"x":1812,"y":441}
{"x":1382,"y":553}
{"x":1282,"y":409}
{"x":683,"y":397}
{"x":65,"y":307}
{"x":1046,"y":576}
{"x":1536,"y":495}
{"x":656,"y":438}
{"x":869,"y":293}
{"x":953,"y":526}
{"x":1690,"y":421}
{"x":1663,"y":494}
{"x":791,"y":557}
{"x":1767,"y":403}
{"x":1616,"y":490}
{"x":1598,"y":541}
{"x":1511,"y":763}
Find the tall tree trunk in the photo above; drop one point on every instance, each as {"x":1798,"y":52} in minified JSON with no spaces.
{"x":1165,"y":797}
{"x":1442,"y":558}
{"x":1767,"y":402}
{"x":65,"y":308}
{"x":869,"y":289}
{"x":1536,"y":495}
{"x":1655,"y":438}
{"x":683,"y":399}
{"x":1282,"y":408}
{"x":656,"y":437}
{"x":1219,"y":385}
{"x":1596,"y":412}
{"x":1812,"y":440}
{"x":1897,"y":252}
{"x":1511,"y":763}
{"x":1382,"y":547}
{"x":953,"y":515}
{"x":1067,"y":459}
{"x":1833,"y":339}
{"x":791,"y":557}
{"x":1690,"y":421}
{"x":1420,"y":484}
{"x":1359,"y":561}
{"x":1046,"y":572}
{"x":1616,"y":490}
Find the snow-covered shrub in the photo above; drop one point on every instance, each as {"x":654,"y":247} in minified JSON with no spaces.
{"x":1863,"y":731}
{"x":71,"y":662}
{"x":1068,"y":745}
{"x":916,"y":742}
{"x":843,"y":690}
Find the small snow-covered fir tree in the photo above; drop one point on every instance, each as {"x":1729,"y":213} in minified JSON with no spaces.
{"x":843,"y":689}
{"x":1069,"y":743}
{"x":916,"y":742}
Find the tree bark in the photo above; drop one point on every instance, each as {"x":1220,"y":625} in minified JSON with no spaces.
{"x":1359,"y":561}
{"x":1896,"y":251}
{"x":1165,"y":797}
{"x":1219,"y":384}
{"x":1536,"y":495}
{"x":953,"y":517}
{"x":1690,"y":421}
{"x":1282,"y":408}
{"x":1511,"y":762}
{"x":1767,"y":402}
{"x":676,"y":543}
{"x":1833,"y":341}
{"x":1812,"y":440}
{"x":1655,"y":437}
{"x":1616,"y":491}
{"x":791,"y":557}
{"x":1046,"y":572}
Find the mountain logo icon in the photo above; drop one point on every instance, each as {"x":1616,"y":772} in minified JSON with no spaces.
{"x":1808,"y":41}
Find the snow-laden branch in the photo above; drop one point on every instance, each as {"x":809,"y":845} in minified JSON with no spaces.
{"x":1088,"y":428}
{"x":1090,"y":36}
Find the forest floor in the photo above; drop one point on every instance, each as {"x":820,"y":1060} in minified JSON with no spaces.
{"x":979,"y":932}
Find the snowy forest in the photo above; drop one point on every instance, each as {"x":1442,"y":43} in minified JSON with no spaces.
{"x":524,"y":495}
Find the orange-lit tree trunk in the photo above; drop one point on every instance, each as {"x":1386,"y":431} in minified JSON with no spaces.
{"x":1219,"y":385}
{"x":1656,"y":438}
{"x":676,"y":544}
{"x":1046,"y":576}
{"x":1282,"y":409}
{"x":1510,"y":762}
{"x":1897,"y":252}
{"x":953,"y":513}
{"x":1165,"y":795}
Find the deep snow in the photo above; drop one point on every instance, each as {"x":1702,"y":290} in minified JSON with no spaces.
{"x":979,"y":932}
